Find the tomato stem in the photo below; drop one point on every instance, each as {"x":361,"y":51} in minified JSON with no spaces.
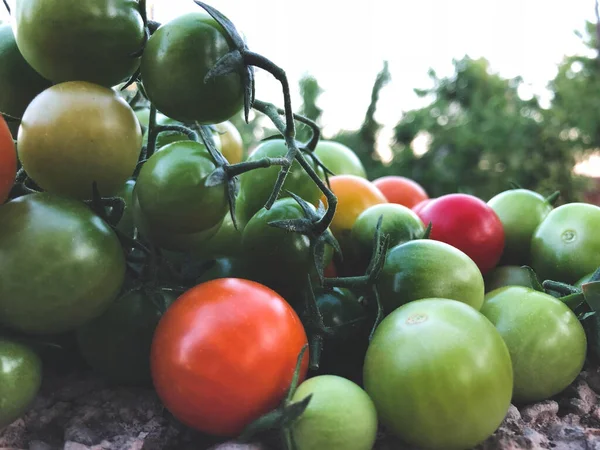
{"x":152,"y":133}
{"x":7,"y":7}
{"x":552,"y":198}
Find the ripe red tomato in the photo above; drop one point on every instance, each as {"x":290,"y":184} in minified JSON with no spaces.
{"x":419,"y":206}
{"x":401,"y":190}
{"x":469,"y":224}
{"x":224,"y":354}
{"x":8,"y":161}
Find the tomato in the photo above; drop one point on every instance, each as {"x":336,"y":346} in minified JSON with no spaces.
{"x":547,"y":343}
{"x":226,"y":268}
{"x":520,"y":211}
{"x":20,"y":380}
{"x":227,"y":241}
{"x":123,"y":355}
{"x":399,"y":222}
{"x":354,"y":194}
{"x":566,"y":245}
{"x":168,"y":240}
{"x":8,"y":161}
{"x":401,"y":190}
{"x":469,"y":224}
{"x":177,"y":58}
{"x":256,"y":186}
{"x":424,"y":268}
{"x":126,"y":223}
{"x":75,"y":133}
{"x":60,"y":264}
{"x":232,"y":146}
{"x":70,"y":40}
{"x":340,"y":415}
{"x":19,"y":83}
{"x":224,"y":354}
{"x":172,"y":193}
{"x":281,"y":259}
{"x":419,"y":206}
{"x":583,"y":280}
{"x":439,"y":374}
{"x":503,"y":276}
{"x":340,"y":159}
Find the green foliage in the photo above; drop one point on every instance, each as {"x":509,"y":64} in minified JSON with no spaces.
{"x":310,"y":92}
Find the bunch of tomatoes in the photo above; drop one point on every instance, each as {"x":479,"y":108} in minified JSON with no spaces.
{"x":278,"y":289}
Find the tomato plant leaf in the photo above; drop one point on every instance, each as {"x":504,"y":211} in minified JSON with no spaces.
{"x":591,"y":290}
{"x":535,"y":282}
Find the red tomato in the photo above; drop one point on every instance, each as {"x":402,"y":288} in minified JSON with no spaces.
{"x":224,"y":354}
{"x":401,"y":190}
{"x":469,"y":224}
{"x":419,"y":206}
{"x":8,"y":161}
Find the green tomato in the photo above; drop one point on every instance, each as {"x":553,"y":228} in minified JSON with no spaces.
{"x":122,"y":355}
{"x":20,"y":380}
{"x":177,"y":58}
{"x":399,"y":222}
{"x":19,"y":83}
{"x":520,"y":211}
{"x":583,"y":280}
{"x":547,"y":343}
{"x":172,"y":192}
{"x":226,"y":268}
{"x":566,"y":245}
{"x":339,"y":415}
{"x":71,"y":40}
{"x":440,"y":374}
{"x":256,"y":186}
{"x":226,"y":242}
{"x":340,"y":159}
{"x":426,"y":268}
{"x":60,"y":264}
{"x":503,"y":276}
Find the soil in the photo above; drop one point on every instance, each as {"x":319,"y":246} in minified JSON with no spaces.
{"x":79,"y":411}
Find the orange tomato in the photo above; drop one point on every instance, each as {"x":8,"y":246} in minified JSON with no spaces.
{"x":232,"y":146}
{"x":401,"y":190}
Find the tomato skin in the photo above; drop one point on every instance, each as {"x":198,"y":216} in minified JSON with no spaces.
{"x":8,"y":161}
{"x":177,"y":58}
{"x":224,"y":354}
{"x":256,"y":186}
{"x":75,"y":133}
{"x":19,"y":83}
{"x":547,"y":343}
{"x":469,"y":224}
{"x":419,"y":206}
{"x":70,"y":40}
{"x":60,"y":264}
{"x":424,"y":268}
{"x":503,"y":276}
{"x":354,"y":194}
{"x":520,"y":211}
{"x":232,"y":146}
{"x":401,"y":190}
{"x":439,"y":374}
{"x":172,"y":193}
{"x":339,"y":158}
{"x":20,"y":380}
{"x":566,"y":245}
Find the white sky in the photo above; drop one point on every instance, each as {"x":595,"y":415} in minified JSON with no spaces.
{"x":344,"y":43}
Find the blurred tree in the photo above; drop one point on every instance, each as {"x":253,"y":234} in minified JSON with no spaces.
{"x":310,"y":92}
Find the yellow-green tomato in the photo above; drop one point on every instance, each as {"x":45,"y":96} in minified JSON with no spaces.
{"x":439,"y":374}
{"x":547,"y":343}
{"x":340,"y":415}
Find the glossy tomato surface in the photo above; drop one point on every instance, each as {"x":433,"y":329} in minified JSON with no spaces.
{"x":401,"y":190}
{"x":224,"y":354}
{"x":339,"y":158}
{"x":469,"y":224}
{"x":8,"y":161}
{"x":440,"y":375}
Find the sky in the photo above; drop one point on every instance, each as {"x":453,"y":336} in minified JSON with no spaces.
{"x":344,"y":44}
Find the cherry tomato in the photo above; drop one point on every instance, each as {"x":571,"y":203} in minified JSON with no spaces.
{"x":469,"y":224}
{"x":19,"y":83}
{"x":177,"y":58}
{"x":71,"y":40}
{"x":75,"y":133}
{"x":224,"y":354}
{"x":340,"y":159}
{"x":232,"y":146}
{"x":502,"y":276}
{"x":439,"y":374}
{"x":8,"y":161}
{"x":401,"y":190}
{"x":419,"y":206}
{"x":566,"y":245}
{"x":520,"y":211}
{"x":547,"y":343}
{"x":425,"y":268}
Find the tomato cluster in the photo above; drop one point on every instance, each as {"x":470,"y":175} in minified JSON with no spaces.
{"x":279,"y":286}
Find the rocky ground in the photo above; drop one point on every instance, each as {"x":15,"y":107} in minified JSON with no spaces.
{"x":79,"y":411}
